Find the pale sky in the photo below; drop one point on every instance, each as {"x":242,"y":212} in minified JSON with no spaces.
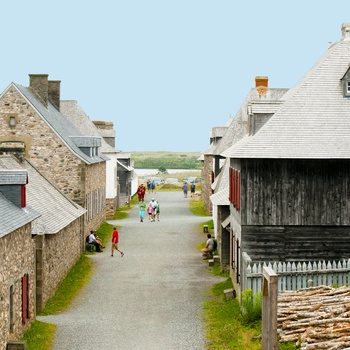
{"x":165,"y":72}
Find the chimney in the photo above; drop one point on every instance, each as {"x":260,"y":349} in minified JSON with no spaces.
{"x":261,"y":82}
{"x":55,"y":92}
{"x":39,"y":85}
{"x":345,"y":30}
{"x":261,"y":85}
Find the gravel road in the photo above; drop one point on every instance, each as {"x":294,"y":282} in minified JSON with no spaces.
{"x":152,"y":297}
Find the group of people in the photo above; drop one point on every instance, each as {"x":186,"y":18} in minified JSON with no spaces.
{"x":152,"y":209}
{"x":151,"y":186}
{"x":185,"y":189}
{"x":93,"y":239}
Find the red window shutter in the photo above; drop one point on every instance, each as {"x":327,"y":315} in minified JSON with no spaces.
{"x":230,"y":185}
{"x":234,"y":187}
{"x":238,"y":191}
{"x":23,"y":196}
{"x":237,"y":261}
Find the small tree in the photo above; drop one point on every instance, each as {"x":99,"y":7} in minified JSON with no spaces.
{"x":162,"y":170}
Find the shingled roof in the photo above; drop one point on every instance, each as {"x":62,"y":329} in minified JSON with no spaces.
{"x":56,"y":210}
{"x":65,"y":130}
{"x":314,"y":122}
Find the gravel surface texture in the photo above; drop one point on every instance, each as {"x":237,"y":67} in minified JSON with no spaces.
{"x":151,"y":298}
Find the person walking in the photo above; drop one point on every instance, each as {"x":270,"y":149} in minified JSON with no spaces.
{"x":143,"y":191}
{"x":115,"y":240}
{"x":153,"y":206}
{"x":153,"y":186}
{"x":142,"y":209}
{"x":193,"y":189}
{"x":158,"y":210}
{"x":185,"y":189}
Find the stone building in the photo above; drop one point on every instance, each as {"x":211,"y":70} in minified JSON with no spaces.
{"x":30,"y":117}
{"x":73,"y":111}
{"x":57,"y":233}
{"x":17,"y":261}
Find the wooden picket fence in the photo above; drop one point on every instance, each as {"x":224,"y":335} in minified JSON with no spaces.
{"x":296,"y":275}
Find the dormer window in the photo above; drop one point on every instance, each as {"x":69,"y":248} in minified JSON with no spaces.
{"x":346,"y":83}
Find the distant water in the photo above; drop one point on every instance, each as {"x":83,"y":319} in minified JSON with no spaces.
{"x":143,"y":172}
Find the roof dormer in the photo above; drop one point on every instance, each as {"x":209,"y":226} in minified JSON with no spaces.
{"x":13,"y":185}
{"x":346,"y":83}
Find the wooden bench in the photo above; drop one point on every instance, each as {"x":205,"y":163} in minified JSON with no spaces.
{"x":90,"y":247}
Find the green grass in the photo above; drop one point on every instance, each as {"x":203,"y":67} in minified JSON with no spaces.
{"x":197,"y":208}
{"x":40,"y":335}
{"x":77,"y":278}
{"x":224,"y":324}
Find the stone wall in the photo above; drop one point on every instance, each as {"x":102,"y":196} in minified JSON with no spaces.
{"x":95,"y":180}
{"x":207,"y":169}
{"x":17,"y":260}
{"x":42,"y":146}
{"x":56,"y":254}
{"x":52,"y":158}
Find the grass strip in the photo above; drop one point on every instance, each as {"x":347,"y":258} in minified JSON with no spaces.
{"x":77,"y":278}
{"x":224,"y":324}
{"x":40,"y":335}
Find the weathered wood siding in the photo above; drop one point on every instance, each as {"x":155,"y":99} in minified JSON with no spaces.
{"x":295,"y":192}
{"x":296,"y":243}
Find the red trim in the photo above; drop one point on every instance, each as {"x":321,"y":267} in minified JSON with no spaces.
{"x":23,"y":196}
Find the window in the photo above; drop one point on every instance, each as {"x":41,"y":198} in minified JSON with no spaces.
{"x":348,"y":87}
{"x":12,"y":317}
{"x":25,"y":298}
{"x":12,"y":121}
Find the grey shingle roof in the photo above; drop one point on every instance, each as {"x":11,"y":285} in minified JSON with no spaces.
{"x":13,"y":177}
{"x":267,"y":103}
{"x":315,"y":120}
{"x":220,"y":198}
{"x":72,"y":110}
{"x":56,"y":210}
{"x":59,"y":124}
{"x":13,"y":217}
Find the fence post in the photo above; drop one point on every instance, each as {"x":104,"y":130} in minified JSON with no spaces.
{"x":269,"y":309}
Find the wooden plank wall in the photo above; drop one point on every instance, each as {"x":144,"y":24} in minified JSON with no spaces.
{"x":296,"y":243}
{"x":295,"y":192}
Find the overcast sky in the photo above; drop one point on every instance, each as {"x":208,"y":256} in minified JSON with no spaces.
{"x":165,"y":72}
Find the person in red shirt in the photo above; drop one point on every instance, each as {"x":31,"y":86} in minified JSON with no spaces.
{"x":143,"y":191}
{"x":139,"y":192}
{"x":115,"y":240}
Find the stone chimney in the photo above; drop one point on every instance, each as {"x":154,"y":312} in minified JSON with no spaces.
{"x":54,"y":92}
{"x":106,"y":130}
{"x":40,"y":86}
{"x":345,"y":30}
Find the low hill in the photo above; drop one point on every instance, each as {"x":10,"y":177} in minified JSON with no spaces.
{"x":165,"y":159}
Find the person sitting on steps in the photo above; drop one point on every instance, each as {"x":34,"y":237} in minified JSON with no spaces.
{"x":207,"y":251}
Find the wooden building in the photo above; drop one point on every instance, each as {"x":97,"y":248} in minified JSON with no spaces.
{"x":289,"y":181}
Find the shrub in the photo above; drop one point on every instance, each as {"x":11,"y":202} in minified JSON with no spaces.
{"x":251,"y":306}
